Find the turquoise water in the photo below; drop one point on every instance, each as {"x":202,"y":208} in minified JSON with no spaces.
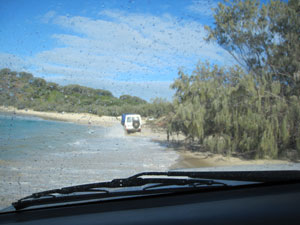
{"x":22,"y":136}
{"x":31,"y":138}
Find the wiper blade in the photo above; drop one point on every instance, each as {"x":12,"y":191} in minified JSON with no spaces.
{"x":152,"y":183}
{"x":149,"y":182}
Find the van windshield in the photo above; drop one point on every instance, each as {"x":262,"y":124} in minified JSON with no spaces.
{"x":92,"y":90}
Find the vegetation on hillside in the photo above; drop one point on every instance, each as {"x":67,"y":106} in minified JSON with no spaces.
{"x":23,"y":90}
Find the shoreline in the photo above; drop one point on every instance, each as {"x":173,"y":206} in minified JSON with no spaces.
{"x":79,"y":118}
{"x":198,"y":159}
{"x":190,"y":159}
{"x":187,"y":158}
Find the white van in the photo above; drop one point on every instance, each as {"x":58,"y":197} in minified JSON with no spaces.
{"x":133,"y":123}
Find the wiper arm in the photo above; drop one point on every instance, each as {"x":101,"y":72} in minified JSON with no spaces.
{"x":152,"y":183}
{"x":112,"y":188}
{"x":134,"y":181}
{"x":255,"y":176}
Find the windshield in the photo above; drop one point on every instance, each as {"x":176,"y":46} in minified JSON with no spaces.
{"x":209,"y":84}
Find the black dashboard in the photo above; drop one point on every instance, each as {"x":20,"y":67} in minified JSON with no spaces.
{"x":269,"y":204}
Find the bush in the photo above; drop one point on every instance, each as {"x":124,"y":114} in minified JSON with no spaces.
{"x":231,"y":111}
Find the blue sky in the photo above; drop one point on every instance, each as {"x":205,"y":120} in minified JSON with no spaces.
{"x":127,"y":47}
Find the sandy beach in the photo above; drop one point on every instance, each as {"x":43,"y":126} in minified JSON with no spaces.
{"x":195,"y":159}
{"x":190,"y":159}
{"x":80,"y":118}
{"x":89,"y":119}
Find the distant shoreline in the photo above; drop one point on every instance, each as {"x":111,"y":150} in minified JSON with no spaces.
{"x":79,"y":118}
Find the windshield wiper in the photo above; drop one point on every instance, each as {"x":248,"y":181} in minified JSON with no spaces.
{"x":149,"y":183}
{"x":116,"y":188}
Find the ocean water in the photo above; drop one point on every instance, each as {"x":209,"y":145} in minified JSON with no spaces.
{"x":38,"y":154}
{"x":23,"y":137}
{"x":27,"y":138}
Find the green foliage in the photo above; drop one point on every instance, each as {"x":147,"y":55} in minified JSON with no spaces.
{"x":254,"y":113}
{"x":262,"y":38}
{"x":159,"y":107}
{"x":22,"y":90}
{"x":229,"y":111}
{"x":133,"y":100}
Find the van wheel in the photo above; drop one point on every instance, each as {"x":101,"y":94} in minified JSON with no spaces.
{"x":136,"y":124}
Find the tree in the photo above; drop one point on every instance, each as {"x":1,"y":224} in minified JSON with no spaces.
{"x":262,"y":37}
{"x":5,"y":71}
{"x":39,"y":82}
{"x":232,"y":112}
{"x":25,"y":76}
{"x":22,"y":90}
{"x":132,"y":99}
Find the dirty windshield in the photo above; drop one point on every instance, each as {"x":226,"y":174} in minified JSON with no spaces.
{"x":215,"y":83}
